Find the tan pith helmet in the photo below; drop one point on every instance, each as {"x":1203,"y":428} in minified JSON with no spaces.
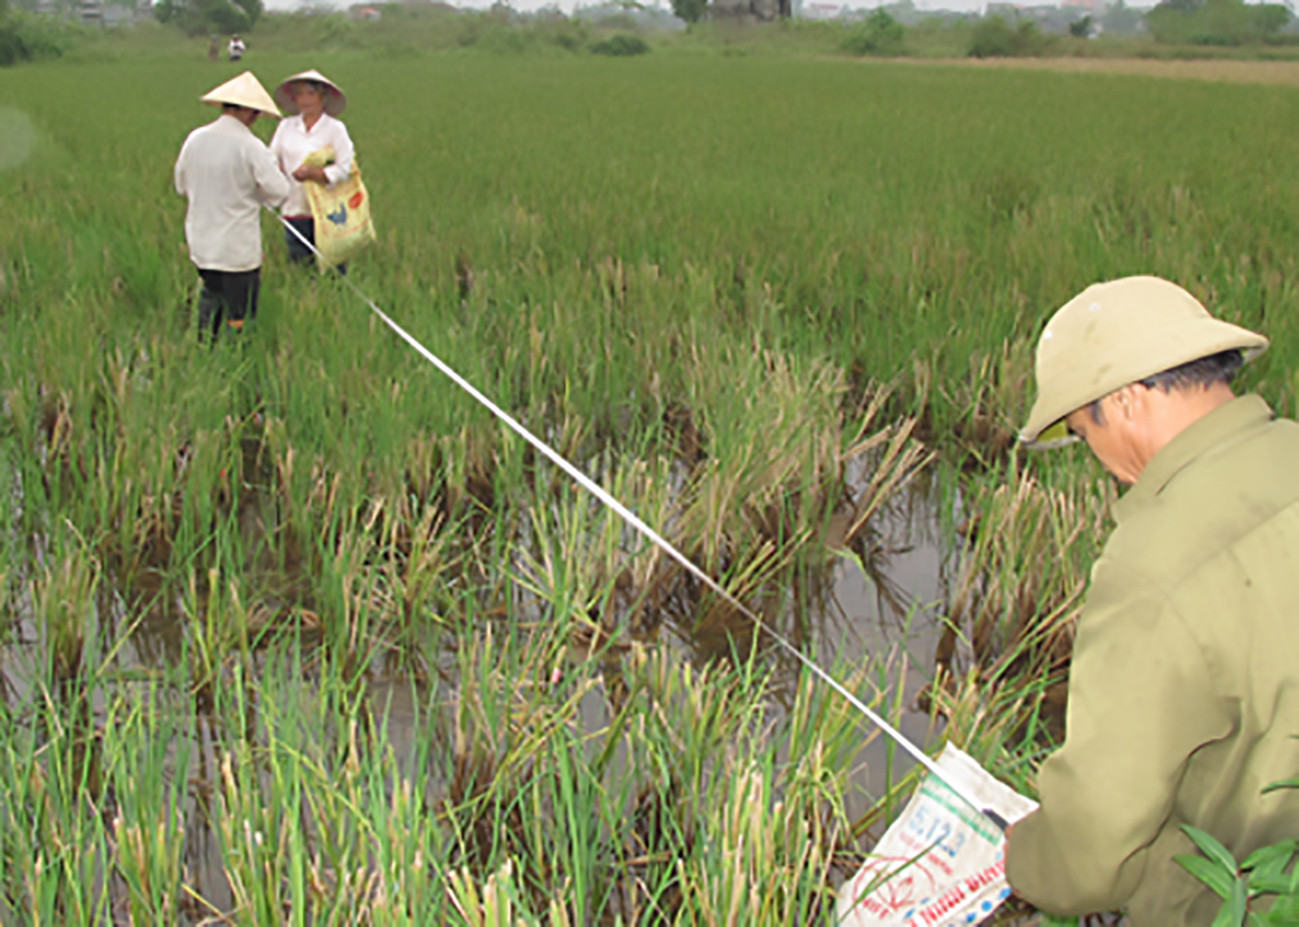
{"x":1116,"y":333}
{"x":335,"y":99}
{"x":244,"y":90}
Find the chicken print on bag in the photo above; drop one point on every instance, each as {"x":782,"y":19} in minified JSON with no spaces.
{"x":339,"y":216}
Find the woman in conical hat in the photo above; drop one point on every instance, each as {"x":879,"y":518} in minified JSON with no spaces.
{"x":228,"y":175}
{"x":313,"y":103}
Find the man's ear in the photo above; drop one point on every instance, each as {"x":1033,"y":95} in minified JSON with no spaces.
{"x":1131,"y":399}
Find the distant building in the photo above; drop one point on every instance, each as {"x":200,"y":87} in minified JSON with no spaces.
{"x":822,"y":11}
{"x":639,"y":17}
{"x":751,"y":10}
{"x":91,"y":12}
{"x":370,"y":12}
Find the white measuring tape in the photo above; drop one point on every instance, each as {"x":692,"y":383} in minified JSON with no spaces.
{"x":662,"y":543}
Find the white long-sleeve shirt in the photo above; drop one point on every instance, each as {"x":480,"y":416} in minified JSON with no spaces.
{"x":228,"y":175}
{"x":293,"y":141}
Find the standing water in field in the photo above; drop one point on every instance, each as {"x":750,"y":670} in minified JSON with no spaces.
{"x":879,"y":600}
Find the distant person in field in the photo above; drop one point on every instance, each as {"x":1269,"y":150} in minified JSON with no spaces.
{"x":313,"y":103}
{"x":1184,"y":684}
{"x":236,"y":48}
{"x":228,"y":175}
{"x":212,"y":51}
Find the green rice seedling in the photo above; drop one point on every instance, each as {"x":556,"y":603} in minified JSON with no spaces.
{"x":64,"y":609}
{"x":1002,"y":719}
{"x":420,"y":555}
{"x":50,"y":882}
{"x":261,"y":845}
{"x":790,"y":811}
{"x":209,"y":485}
{"x":890,"y":684}
{"x":568,"y":809}
{"x":1004,"y":653}
{"x":217,"y":623}
{"x":646,"y":817}
{"x":259,"y":814}
{"x":1029,"y":551}
{"x":888,"y":457}
{"x":693,"y":718}
{"x":502,"y":716}
{"x":489,"y":905}
{"x":351,"y":629}
{"x":272,"y":859}
{"x":150,"y":790}
{"x":676,"y":808}
{"x":406,"y":844}
{"x":644,"y":576}
{"x":569,"y":568}
{"x":981,"y":402}
{"x":54,"y":807}
{"x":766,"y":868}
{"x":754,"y":482}
{"x":319,"y":778}
{"x":9,"y":548}
{"x":823,"y":736}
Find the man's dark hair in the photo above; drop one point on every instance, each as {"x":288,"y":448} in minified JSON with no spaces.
{"x":1200,"y":373}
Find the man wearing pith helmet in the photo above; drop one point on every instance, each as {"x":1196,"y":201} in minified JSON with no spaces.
{"x":228,"y":174}
{"x":1184,"y":684}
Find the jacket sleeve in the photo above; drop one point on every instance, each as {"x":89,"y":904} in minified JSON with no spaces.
{"x":178,"y":172}
{"x":272,"y":185}
{"x":1140,"y":702}
{"x":344,"y":156}
{"x":277,"y":148}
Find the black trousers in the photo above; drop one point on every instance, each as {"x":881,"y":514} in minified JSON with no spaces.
{"x":228,"y":300}
{"x":298,"y":252}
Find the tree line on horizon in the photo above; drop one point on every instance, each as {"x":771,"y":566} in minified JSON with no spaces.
{"x":1002,"y":31}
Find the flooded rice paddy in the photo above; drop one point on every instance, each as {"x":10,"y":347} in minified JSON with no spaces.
{"x":882,"y":596}
{"x":294,"y":633}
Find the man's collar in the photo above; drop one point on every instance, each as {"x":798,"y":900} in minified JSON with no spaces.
{"x":233,"y":119}
{"x":1230,"y":418}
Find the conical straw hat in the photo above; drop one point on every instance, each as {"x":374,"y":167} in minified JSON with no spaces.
{"x":244,"y":90}
{"x":335,"y":99}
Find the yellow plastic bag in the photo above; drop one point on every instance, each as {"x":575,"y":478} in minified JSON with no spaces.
{"x":341,"y":213}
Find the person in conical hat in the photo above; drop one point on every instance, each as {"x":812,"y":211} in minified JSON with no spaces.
{"x":314,"y":103}
{"x":228,"y":175}
{"x":243,"y":92}
{"x":1183,"y":696}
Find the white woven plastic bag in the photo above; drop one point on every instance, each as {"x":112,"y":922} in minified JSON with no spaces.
{"x":941,"y":862}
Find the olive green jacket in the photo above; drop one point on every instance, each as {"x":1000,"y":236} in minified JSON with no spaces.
{"x":1184,"y":685}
